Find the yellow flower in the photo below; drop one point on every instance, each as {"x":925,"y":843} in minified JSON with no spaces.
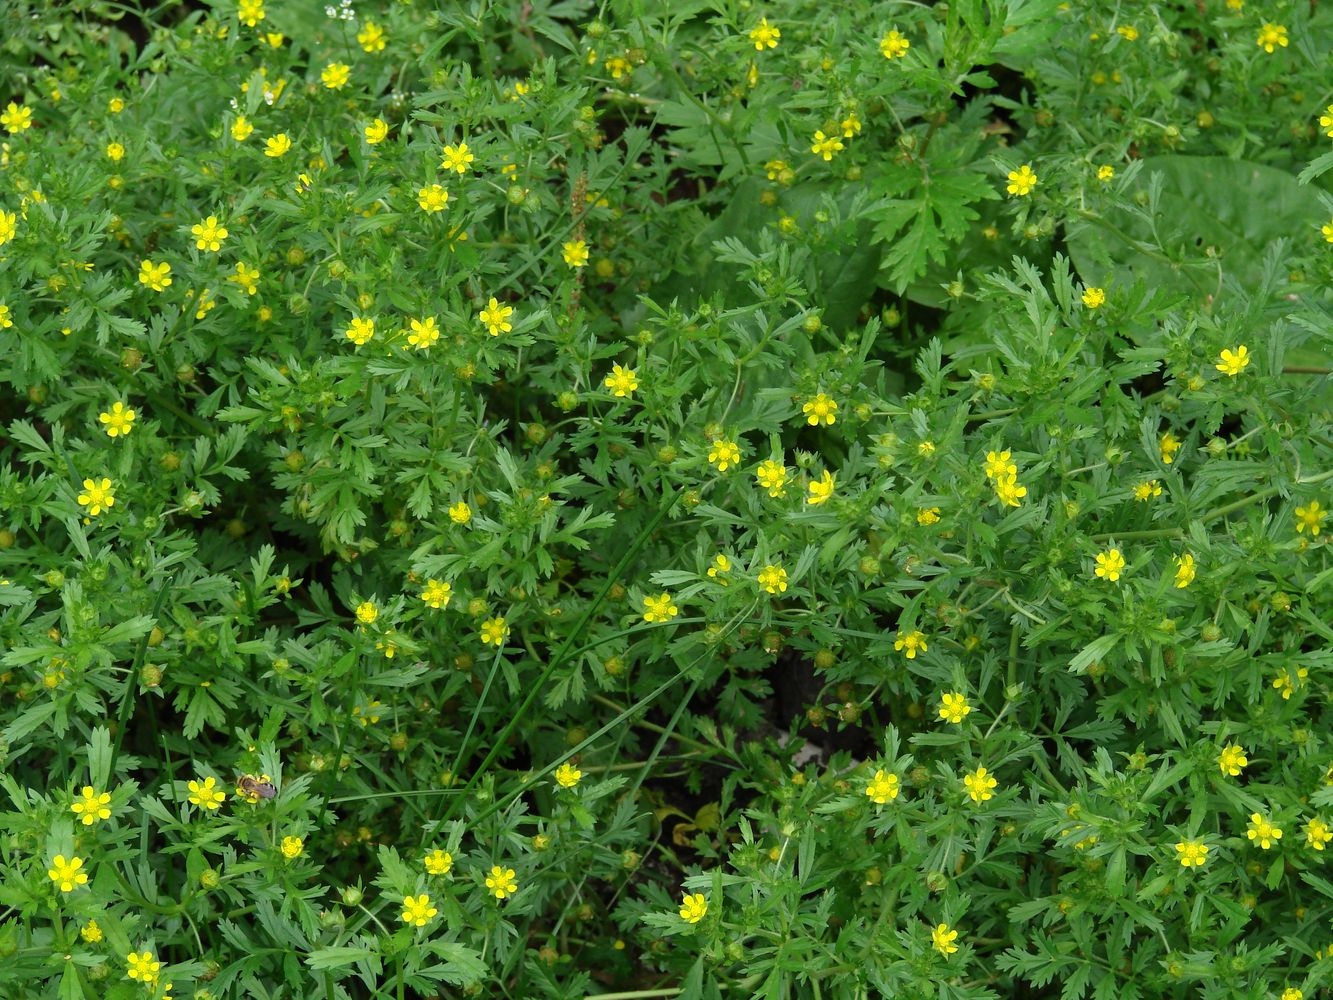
{"x":1192,"y":853}
{"x":432,"y":198}
{"x":335,"y":75}
{"x":424,"y":333}
{"x":894,"y":45}
{"x":1109,"y":565}
{"x":821,"y":409}
{"x":773,"y":579}
{"x":1169,"y":445}
{"x":913,"y":642}
{"x":501,"y":882}
{"x":438,"y":862}
{"x":367,"y":612}
{"x":1285,"y":683}
{"x":883,"y":787}
{"x":927,"y":516}
{"x":1094,"y":298}
{"x":97,"y":496}
{"x":206,"y":795}
{"x":772,"y":476}
{"x":1022,"y":181}
{"x":209,"y":234}
{"x":277,"y":145}
{"x":1292,"y":993}
{"x":1326,"y":229}
{"x":851,"y":125}
{"x":360,"y":330}
{"x":292,"y":847}
{"x":437,"y":594}
{"x":1128,"y":32}
{"x":954,"y":707}
{"x":820,"y":489}
{"x":115,"y":152}
{"x":764,"y":35}
{"x":720,"y":568}
{"x":16,"y":118}
{"x":8,"y":226}
{"x":1232,"y":758}
{"x":1147,"y":489}
{"x":142,"y":966}
{"x":1310,"y":516}
{"x":693,"y":908}
{"x":1317,"y":833}
{"x":377,"y":131}
{"x":1009,"y":491}
{"x":979,"y":784}
{"x":724,"y":454}
{"x":250,"y":12}
{"x":66,"y":874}
{"x":241,"y":129}
{"x":246,"y":277}
{"x":371,"y":37}
{"x":1262,"y":831}
{"x":457,"y":158}
{"x":91,"y":932}
{"x":367,"y":716}
{"x":567,"y":775}
{"x":1326,"y":121}
{"x":119,"y":420}
{"x":495,"y":317}
{"x":1105,"y":172}
{"x":494,"y":632}
{"x":942,"y":939}
{"x":622,"y":381}
{"x":575,"y":253}
{"x":998,"y":464}
{"x":826,"y":145}
{"x":659,"y":609}
{"x":1184,"y":570}
{"x":417,"y":910}
{"x":1272,"y":36}
{"x":1233,"y":363}
{"x":92,"y":806}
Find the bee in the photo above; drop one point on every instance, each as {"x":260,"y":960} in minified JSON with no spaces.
{"x":252,"y":787}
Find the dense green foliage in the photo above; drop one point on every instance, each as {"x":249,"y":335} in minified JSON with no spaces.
{"x":545,"y":498}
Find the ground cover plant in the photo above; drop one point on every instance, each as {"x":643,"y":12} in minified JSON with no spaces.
{"x":547,"y":498}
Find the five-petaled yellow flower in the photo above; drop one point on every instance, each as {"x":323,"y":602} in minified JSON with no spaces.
{"x":575,"y":253}
{"x":438,"y":862}
{"x":66,"y":874}
{"x":1232,"y":758}
{"x":142,"y":966}
{"x":16,"y":118}
{"x":826,"y":145}
{"x":241,"y":129}
{"x":821,"y":489}
{"x":1317,"y":833}
{"x":97,"y":496}
{"x":360,"y":330}
{"x":1310,"y":516}
{"x":1109,"y":565}
{"x":155,"y":276}
{"x":693,"y":908}
{"x":276,"y":146}
{"x":367,"y":612}
{"x":246,"y":277}
{"x":115,"y":152}
{"x":772,"y":476}
{"x":773,"y":579}
{"x":979,"y":784}
{"x":622,"y":381}
{"x":1271,"y":36}
{"x":764,"y":35}
{"x":724,"y":454}
{"x":1009,"y":491}
{"x":883,"y":787}
{"x":1147,"y":489}
{"x":954,"y":707}
{"x":118,"y":421}
{"x":417,"y":911}
{"x":460,"y":513}
{"x":432,"y":198}
{"x":457,"y":158}
{"x":209,"y":234}
{"x":206,"y":794}
{"x":8,"y":226}
{"x":822,"y":409}
{"x":376,"y":132}
{"x":1192,"y":853}
{"x":424,"y":333}
{"x":942,"y":939}
{"x":436,"y":594}
{"x":1094,"y":298}
{"x":1022,"y":181}
{"x":336,"y":75}
{"x":567,"y":775}
{"x":92,"y":805}
{"x":292,"y":847}
{"x":1185,"y":570}
{"x":1105,"y":173}
{"x":894,"y":45}
{"x":1232,"y":363}
{"x":494,"y":632}
{"x":913,"y":642}
{"x":371,"y":38}
{"x":1263,"y":831}
{"x":927,"y":516}
{"x":660,"y":608}
{"x":91,"y":932}
{"x":501,"y":882}
{"x":250,"y":12}
{"x":1168,"y":444}
{"x":1326,"y":121}
{"x":495,"y":317}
